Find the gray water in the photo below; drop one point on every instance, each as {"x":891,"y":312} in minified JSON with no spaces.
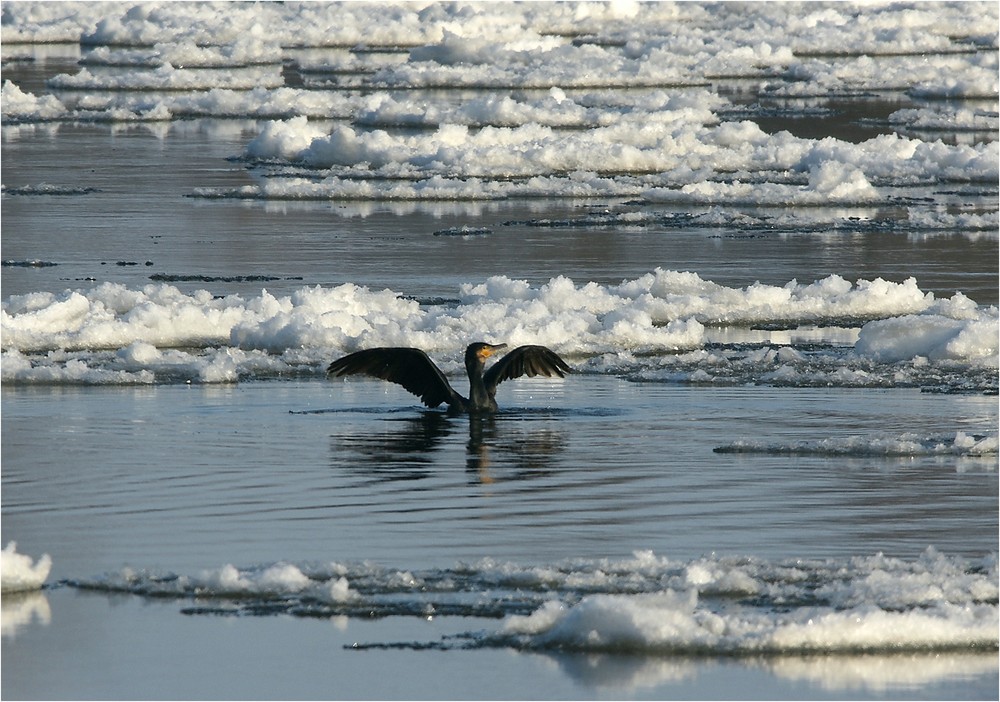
{"x":593,"y":467}
{"x":179,"y":477}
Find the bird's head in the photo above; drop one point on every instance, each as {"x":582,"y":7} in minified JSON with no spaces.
{"x":479,"y":352}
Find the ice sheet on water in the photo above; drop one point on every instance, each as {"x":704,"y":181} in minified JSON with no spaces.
{"x":822,"y":365}
{"x":647,"y":603}
{"x":670,"y":156}
{"x":921,"y":76}
{"x":818,"y":30}
{"x":650,"y":328}
{"x":167,"y":77}
{"x":32,"y":263}
{"x":243,"y":51}
{"x":903,"y":445}
{"x":257,"y":102}
{"x":760,"y":222}
{"x":517,"y":44}
{"x":946,"y":118}
{"x":49,"y":189}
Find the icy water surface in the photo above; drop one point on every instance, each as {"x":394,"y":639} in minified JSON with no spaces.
{"x":772,"y":267}
{"x":317,"y":503}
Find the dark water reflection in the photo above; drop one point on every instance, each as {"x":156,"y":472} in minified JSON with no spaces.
{"x":398,"y":450}
{"x":496,"y":454}
{"x":498,"y":448}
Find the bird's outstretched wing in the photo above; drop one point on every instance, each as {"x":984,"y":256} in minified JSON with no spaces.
{"x":529,"y":361}
{"x":411,"y":368}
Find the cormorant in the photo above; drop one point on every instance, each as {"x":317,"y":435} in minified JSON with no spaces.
{"x":416,"y":372}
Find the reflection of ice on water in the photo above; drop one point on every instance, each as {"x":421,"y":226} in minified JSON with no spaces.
{"x":882,"y":672}
{"x":869,"y":673}
{"x":498,"y":448}
{"x":621,"y":672}
{"x":19,"y":610}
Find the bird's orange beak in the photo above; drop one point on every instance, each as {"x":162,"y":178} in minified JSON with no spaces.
{"x":488,"y":351}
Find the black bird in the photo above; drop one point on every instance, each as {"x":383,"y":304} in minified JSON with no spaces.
{"x":416,"y":372}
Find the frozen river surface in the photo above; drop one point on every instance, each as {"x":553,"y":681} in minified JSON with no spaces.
{"x":772,"y":267}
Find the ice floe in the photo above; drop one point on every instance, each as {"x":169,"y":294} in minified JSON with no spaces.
{"x":644,"y":604}
{"x":659,"y":323}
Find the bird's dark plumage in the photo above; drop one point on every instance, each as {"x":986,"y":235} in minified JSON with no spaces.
{"x":416,"y":372}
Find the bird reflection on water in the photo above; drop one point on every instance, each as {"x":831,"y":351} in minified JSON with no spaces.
{"x":499,"y":448}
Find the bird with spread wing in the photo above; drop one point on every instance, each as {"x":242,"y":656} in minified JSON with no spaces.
{"x":415,"y":371}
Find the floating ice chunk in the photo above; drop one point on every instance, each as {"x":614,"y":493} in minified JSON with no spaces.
{"x":932,"y":336}
{"x":660,"y":150}
{"x":280,"y":578}
{"x":974,"y":446}
{"x":247,"y":50}
{"x":19,"y":106}
{"x":841,"y":182}
{"x":709,"y":576}
{"x":140,"y":353}
{"x":283,"y":576}
{"x":19,"y":572}
{"x":973,"y":226}
{"x":224,"y":367}
{"x":283,"y":139}
{"x":340,"y":590}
